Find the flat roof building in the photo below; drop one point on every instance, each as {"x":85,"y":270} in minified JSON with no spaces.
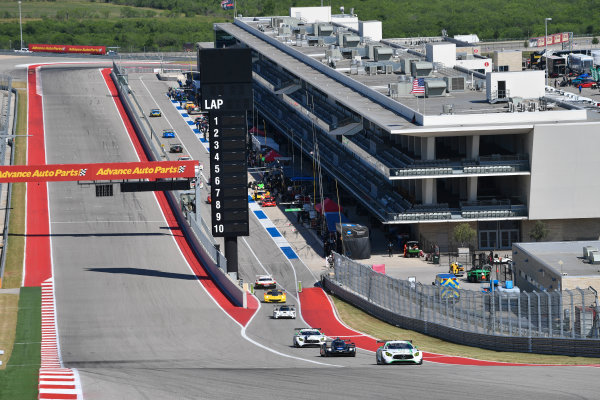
{"x":425,"y":144}
{"x":554,"y":266}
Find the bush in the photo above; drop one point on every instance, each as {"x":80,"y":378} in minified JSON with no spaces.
{"x":539,"y":232}
{"x":464,"y":234}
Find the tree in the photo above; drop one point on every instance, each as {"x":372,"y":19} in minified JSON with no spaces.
{"x":595,"y":40}
{"x":539,"y":232}
{"x":464,"y":234}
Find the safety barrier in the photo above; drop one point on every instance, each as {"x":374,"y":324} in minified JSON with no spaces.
{"x":229,"y":288}
{"x":547,"y":323}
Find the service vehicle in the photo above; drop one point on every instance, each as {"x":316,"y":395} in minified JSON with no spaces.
{"x":457,"y":269}
{"x":397,"y":352}
{"x":284,"y":311}
{"x":268,"y":201}
{"x":264,"y":282}
{"x":155,"y":112}
{"x":176,"y":148}
{"x":479,"y":274}
{"x":304,"y":337}
{"x":274,"y":296}
{"x":168,"y":133}
{"x":338,"y":347}
{"x":23,"y":50}
{"x":412,"y":249}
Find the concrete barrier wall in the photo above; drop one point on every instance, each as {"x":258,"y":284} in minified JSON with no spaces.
{"x":229,"y":288}
{"x":567,"y":347}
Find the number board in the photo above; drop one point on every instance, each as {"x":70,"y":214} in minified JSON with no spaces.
{"x":229,"y":177}
{"x":226,"y":93}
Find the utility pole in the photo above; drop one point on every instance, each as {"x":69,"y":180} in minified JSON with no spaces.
{"x":20,"y":25}
{"x":546,"y":44}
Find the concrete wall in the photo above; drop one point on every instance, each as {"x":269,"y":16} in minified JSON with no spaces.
{"x":564,"y":171}
{"x":371,"y":29}
{"x":525,"y":84}
{"x":513,"y":59}
{"x":504,"y":118}
{"x":440,"y":233}
{"x":565,"y":229}
{"x":311,"y":14}
{"x":444,"y":53}
{"x":485,"y":64}
{"x":530,"y":273}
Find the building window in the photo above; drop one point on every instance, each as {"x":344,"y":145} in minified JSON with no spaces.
{"x":498,"y":234}
{"x":503,"y":68}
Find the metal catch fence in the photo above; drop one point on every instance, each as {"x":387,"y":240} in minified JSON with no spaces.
{"x":570,"y":314}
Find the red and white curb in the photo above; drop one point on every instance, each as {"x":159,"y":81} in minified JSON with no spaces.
{"x":55,"y":382}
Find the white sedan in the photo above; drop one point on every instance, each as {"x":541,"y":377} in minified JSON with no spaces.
{"x":398,"y":351}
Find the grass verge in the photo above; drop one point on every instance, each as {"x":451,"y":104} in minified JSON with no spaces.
{"x":20,"y":378}
{"x":8,"y":321}
{"x":15,"y":247}
{"x":363,"y":322}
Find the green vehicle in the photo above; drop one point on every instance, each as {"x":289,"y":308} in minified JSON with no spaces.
{"x":412,"y":249}
{"x":479,"y":274}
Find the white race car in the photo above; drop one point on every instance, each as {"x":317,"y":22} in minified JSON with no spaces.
{"x":308,"y":337}
{"x":264,"y":282}
{"x":284,"y":311}
{"x":398,"y":351}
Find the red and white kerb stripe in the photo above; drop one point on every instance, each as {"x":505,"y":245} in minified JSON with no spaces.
{"x":55,"y":382}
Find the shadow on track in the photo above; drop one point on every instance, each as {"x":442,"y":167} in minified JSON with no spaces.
{"x":148,"y":272}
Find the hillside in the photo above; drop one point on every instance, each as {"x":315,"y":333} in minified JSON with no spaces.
{"x":164,"y":25}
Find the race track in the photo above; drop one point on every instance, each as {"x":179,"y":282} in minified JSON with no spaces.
{"x":137,"y":324}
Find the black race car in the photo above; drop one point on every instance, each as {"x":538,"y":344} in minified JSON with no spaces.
{"x":338,"y":347}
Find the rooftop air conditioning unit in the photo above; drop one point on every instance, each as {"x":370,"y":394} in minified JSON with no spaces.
{"x":455,"y":83}
{"x":448,"y":109}
{"x":594,"y":258}
{"x":587,"y":250}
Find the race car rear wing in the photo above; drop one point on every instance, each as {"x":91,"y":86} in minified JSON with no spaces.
{"x":392,"y":340}
{"x":298,"y":329}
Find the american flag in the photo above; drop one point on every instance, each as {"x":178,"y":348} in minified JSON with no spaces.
{"x":418,"y":86}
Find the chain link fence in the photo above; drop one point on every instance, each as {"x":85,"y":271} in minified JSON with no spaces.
{"x":569,"y":314}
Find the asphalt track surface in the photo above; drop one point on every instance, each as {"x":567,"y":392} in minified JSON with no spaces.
{"x":137,"y":324}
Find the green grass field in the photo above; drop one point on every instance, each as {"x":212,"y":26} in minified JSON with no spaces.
{"x":20,"y":378}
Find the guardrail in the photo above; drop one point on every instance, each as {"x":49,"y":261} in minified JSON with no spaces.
{"x":6,"y":84}
{"x":154,"y":152}
{"x":547,"y":322}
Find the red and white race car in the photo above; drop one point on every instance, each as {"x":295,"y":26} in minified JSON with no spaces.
{"x":265,"y":282}
{"x":268,"y":201}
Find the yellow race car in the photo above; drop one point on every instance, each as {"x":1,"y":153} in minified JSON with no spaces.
{"x":274,"y":296}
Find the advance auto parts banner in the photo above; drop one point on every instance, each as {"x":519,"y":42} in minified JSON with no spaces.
{"x":98,"y":172}
{"x":66,"y":48}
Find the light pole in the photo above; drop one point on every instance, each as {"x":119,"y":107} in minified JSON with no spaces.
{"x":546,"y":44}
{"x":20,"y":26}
